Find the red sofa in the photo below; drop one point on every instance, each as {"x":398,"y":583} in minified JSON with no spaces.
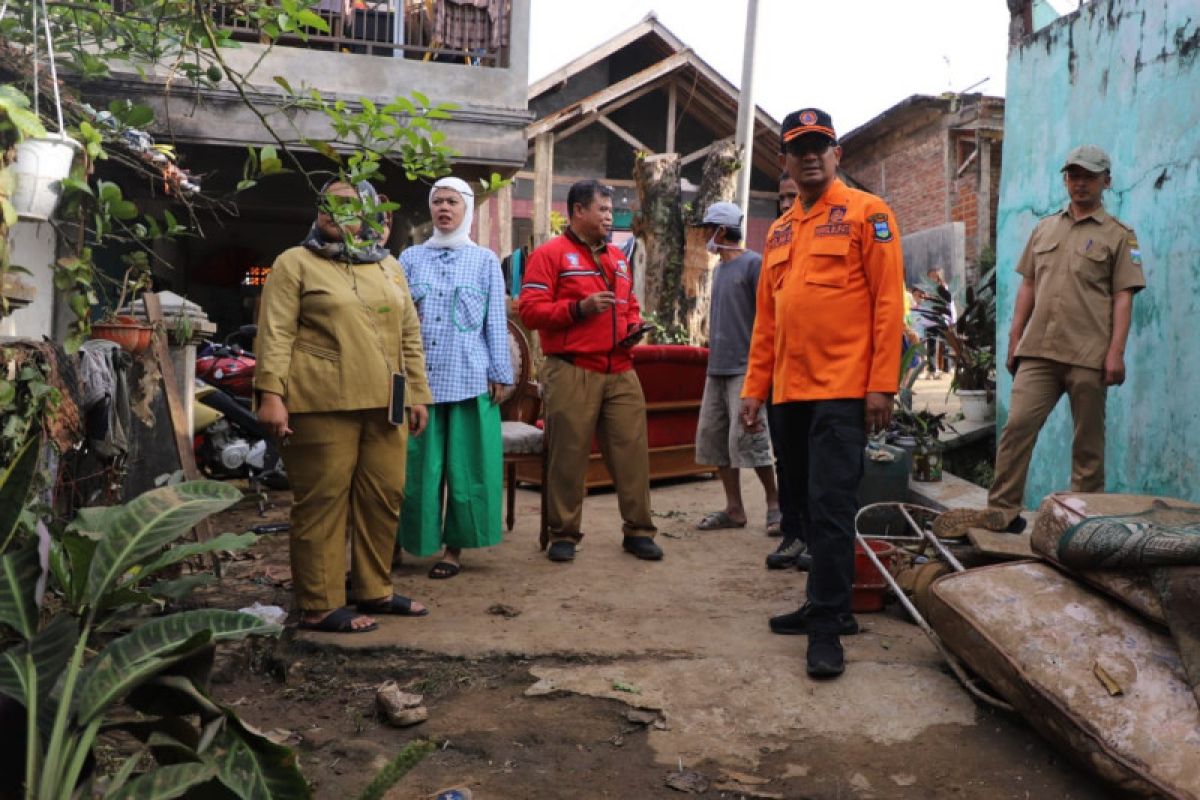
{"x":672,"y":378}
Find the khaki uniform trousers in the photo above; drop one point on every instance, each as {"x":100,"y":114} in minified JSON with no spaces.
{"x":581,"y":404}
{"x":346,"y":469}
{"x":1036,"y":388}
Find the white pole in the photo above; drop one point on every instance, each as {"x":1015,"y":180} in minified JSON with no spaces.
{"x":745,"y":124}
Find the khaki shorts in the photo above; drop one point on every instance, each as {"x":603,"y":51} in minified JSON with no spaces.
{"x":721,"y":439}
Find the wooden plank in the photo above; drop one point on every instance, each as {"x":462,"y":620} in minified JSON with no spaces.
{"x":1002,"y":545}
{"x":672,"y":100}
{"x":629,"y":138}
{"x":696,"y":154}
{"x":181,"y":426}
{"x":592,"y":116}
{"x":606,"y":96}
{"x":504,"y":211}
{"x":543,"y":185}
{"x":603,"y":51}
{"x":483,"y":225}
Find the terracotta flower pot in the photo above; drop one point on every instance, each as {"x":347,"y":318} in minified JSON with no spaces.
{"x":129,"y":333}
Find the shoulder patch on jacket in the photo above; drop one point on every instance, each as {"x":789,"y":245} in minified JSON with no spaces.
{"x":883,"y":231}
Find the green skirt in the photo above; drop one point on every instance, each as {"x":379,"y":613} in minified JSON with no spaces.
{"x":456,"y":464}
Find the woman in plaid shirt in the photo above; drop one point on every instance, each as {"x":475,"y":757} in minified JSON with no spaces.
{"x":459,"y":293}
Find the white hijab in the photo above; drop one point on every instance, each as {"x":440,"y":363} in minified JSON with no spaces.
{"x":460,"y":236}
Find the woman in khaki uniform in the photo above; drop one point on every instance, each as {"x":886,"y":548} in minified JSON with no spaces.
{"x":336,"y":326}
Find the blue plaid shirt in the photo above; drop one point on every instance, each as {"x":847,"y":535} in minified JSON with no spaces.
{"x":459,"y":296}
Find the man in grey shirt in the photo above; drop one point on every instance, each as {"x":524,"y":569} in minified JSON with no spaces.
{"x":720,"y":439}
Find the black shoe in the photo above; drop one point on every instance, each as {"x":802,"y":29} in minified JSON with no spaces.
{"x":643,"y":547}
{"x":1016,"y":526}
{"x":804,"y":562}
{"x":563,"y":550}
{"x":796,"y":623}
{"x":825,"y":658}
{"x":785,"y":555}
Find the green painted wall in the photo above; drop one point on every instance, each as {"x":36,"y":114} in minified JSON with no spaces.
{"x":1123,"y":74}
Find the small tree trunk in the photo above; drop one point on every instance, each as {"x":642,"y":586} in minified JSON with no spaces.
{"x":657,"y":179}
{"x":717,"y":183}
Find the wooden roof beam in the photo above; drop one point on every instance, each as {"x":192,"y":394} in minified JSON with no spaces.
{"x":611,"y":94}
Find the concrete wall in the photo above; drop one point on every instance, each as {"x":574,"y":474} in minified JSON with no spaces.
{"x":33,"y":248}
{"x":487,"y":127}
{"x":1122,"y":74}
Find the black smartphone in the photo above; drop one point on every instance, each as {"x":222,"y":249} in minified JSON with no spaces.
{"x":396,"y":400}
{"x":638,"y":333}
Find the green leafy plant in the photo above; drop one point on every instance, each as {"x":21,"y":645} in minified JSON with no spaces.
{"x":62,"y":598}
{"x":673,"y":333}
{"x":972,"y":337}
{"x":924,"y":426}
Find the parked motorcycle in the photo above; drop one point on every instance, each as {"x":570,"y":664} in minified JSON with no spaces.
{"x":228,"y":439}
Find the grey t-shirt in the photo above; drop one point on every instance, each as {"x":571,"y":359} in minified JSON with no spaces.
{"x":731,"y":313}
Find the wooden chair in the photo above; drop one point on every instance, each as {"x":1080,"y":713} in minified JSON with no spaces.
{"x":523,"y":440}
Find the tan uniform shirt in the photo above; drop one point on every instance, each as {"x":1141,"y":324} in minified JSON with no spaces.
{"x":1077,"y":267}
{"x":330,"y":334}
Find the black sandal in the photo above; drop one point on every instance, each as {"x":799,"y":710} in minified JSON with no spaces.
{"x":444,"y":569}
{"x":397,"y":604}
{"x":340,"y":620}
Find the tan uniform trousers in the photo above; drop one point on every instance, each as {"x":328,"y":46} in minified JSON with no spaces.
{"x":346,"y":469}
{"x":1036,"y":388}
{"x":581,"y":404}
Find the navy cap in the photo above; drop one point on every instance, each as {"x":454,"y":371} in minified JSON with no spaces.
{"x":805,"y":121}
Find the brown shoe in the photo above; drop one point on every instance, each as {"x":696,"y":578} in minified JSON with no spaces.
{"x":953,"y":524}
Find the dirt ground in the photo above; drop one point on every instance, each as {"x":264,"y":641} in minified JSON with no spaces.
{"x":609,"y":677}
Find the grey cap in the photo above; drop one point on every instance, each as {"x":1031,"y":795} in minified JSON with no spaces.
{"x":724,"y":214}
{"x":1090,"y":157}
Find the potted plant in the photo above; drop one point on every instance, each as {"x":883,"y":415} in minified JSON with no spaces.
{"x":972,"y":340}
{"x":131,"y":333}
{"x":920,"y":432}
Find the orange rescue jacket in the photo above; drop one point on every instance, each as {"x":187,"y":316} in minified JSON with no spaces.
{"x":830,"y":304}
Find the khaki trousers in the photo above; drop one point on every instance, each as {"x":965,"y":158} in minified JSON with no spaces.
{"x":581,"y":404}
{"x":346,"y":469}
{"x":1036,"y":388}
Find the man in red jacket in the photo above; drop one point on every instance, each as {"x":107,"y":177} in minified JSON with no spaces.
{"x":578,"y":296}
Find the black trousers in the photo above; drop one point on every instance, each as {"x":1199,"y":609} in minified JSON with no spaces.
{"x":823,"y":442}
{"x":792,"y":524}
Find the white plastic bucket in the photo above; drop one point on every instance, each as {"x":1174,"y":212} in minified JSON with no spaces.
{"x":40,"y":167}
{"x":978,"y":405}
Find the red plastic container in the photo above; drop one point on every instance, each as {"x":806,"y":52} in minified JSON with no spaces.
{"x":869,"y":586}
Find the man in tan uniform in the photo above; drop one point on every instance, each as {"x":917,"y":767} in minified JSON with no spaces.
{"x":1080,"y":270}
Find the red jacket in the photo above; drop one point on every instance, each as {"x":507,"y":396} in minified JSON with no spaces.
{"x":560,"y":274}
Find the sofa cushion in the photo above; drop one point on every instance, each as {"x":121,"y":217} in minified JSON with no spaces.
{"x":520,"y":438}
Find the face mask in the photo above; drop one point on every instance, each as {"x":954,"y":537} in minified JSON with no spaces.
{"x":712,"y":245}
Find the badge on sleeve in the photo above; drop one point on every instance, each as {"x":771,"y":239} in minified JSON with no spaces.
{"x":1135,"y":253}
{"x":883,"y":231}
{"x":573,"y":259}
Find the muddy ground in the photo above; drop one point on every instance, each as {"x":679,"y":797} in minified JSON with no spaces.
{"x":606,"y":677}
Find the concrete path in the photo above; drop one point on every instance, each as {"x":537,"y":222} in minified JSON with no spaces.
{"x":686,"y":636}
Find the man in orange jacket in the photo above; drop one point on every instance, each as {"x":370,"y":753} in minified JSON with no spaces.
{"x":830,"y":315}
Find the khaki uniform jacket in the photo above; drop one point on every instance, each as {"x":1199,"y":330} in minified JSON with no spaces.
{"x":331,"y":333}
{"x":1077,"y":267}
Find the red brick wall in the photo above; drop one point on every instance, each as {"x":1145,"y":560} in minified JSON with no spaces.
{"x":908,"y":172}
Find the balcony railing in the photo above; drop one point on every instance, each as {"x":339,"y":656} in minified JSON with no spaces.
{"x":424,"y":30}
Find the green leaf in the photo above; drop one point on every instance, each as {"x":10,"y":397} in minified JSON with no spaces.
{"x":420,"y":98}
{"x":180,"y":587}
{"x":48,"y":653}
{"x":310,"y":19}
{"x":139,"y":116}
{"x":163,"y":783}
{"x":253,"y":767}
{"x":282,"y":81}
{"x":70,"y":555}
{"x":15,"y":481}
{"x":19,"y":574}
{"x":154,"y":646}
{"x":246,"y":184}
{"x":77,"y":185}
{"x":226,"y":541}
{"x":135,"y":532}
{"x":173,"y":696}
